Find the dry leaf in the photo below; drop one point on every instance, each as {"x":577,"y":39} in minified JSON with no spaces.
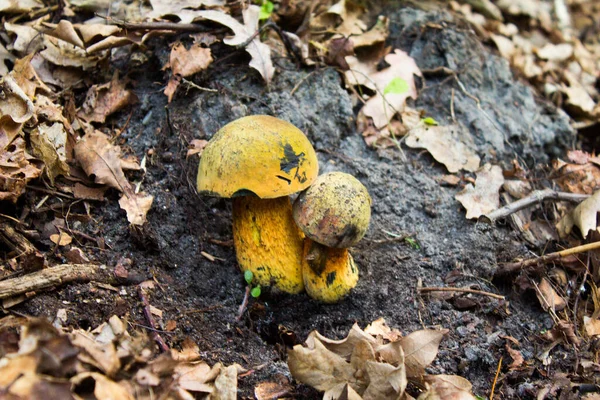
{"x":319,"y":367}
{"x":259,"y":52}
{"x":517,"y":357}
{"x":484,"y":197}
{"x":84,"y":192}
{"x":197,"y":377}
{"x":61,"y":239}
{"x":376,"y":35}
{"x":196,"y":147}
{"x":450,"y":145}
{"x":15,"y":109}
{"x":104,"y":388}
{"x":555,"y":52}
{"x":5,"y":55}
{"x":16,"y":169}
{"x":548,"y":297}
{"x":103,"y":100}
{"x":272,"y":390}
{"x":98,"y":157}
{"x":420,"y":349}
{"x":184,"y":63}
{"x":59,"y":52}
{"x":447,"y":387}
{"x":386,"y":102}
{"x":189,"y":351}
{"x":226,"y":383}
{"x":385,"y":381}
{"x":49,"y":143}
{"x":592,"y":326}
{"x":28,"y":39}
{"x":136,"y":205}
{"x":185,"y":10}
{"x":583,"y":216}
{"x":101,"y":355}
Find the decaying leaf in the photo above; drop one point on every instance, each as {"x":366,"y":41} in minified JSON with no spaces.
{"x":184,"y":62}
{"x":447,"y":387}
{"x":420,"y":349}
{"x":583,"y":216}
{"x":5,"y":55}
{"x":389,"y":99}
{"x":272,"y":390}
{"x":61,"y":239}
{"x":363,"y":366}
{"x":549,"y":299}
{"x":104,"y":388}
{"x":484,"y":197}
{"x":103,"y":100}
{"x":49,"y":143}
{"x":15,"y":109}
{"x":592,"y":326}
{"x":451,"y":145}
{"x":98,"y":157}
{"x":259,"y":52}
{"x":16,"y":169}
{"x":517,"y":357}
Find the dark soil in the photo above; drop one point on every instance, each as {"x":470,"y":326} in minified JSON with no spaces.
{"x":203,"y":296}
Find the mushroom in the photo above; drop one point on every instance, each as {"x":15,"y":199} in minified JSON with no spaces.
{"x":259,"y":161}
{"x":334,"y":214}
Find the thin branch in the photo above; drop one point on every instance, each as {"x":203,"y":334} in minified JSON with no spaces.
{"x":244,"y":304}
{"x":461,"y":290}
{"x":152,"y":26}
{"x":534,"y":198}
{"x":509,"y":268}
{"x":148,"y":314}
{"x":496,"y":379}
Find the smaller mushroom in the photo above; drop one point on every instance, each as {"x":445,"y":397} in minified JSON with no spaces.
{"x":334,"y":214}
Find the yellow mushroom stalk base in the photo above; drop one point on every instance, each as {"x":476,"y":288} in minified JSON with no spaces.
{"x":329,"y":273}
{"x":268,"y":242}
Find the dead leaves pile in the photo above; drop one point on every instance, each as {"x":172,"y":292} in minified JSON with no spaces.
{"x":558,"y":51}
{"x":45,"y":361}
{"x":376,"y":363}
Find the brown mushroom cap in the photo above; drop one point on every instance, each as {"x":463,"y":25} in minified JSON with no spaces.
{"x":335,"y":210}
{"x":257,"y":154}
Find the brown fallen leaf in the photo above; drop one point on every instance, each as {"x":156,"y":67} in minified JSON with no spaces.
{"x":592,"y":326}
{"x":102,"y":355}
{"x":85,"y":192}
{"x":420,"y":349}
{"x":16,"y":169}
{"x":98,"y":157}
{"x":59,"y":52}
{"x":549,"y":299}
{"x":28,"y":39}
{"x":61,"y":239}
{"x":184,"y":62}
{"x":516,"y":356}
{"x":583,"y":216}
{"x":103,"y":100}
{"x":447,"y":387}
{"x":49,"y":144}
{"x":15,"y":109}
{"x":259,"y":52}
{"x":484,"y":197}
{"x":272,"y":390}
{"x":5,"y":55}
{"x":450,"y":145}
{"x":104,"y":388}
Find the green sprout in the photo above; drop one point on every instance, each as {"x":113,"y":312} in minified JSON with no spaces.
{"x":255,"y":292}
{"x":266,"y":9}
{"x":412,"y":243}
{"x":248,"y":276}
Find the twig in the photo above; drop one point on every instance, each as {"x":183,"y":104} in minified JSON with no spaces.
{"x":192,"y":84}
{"x":509,"y":268}
{"x":244,"y":303}
{"x":534,"y":198}
{"x":495,"y":379}
{"x":462,"y":290}
{"x":148,"y":314}
{"x":152,"y":26}
{"x":59,"y":275}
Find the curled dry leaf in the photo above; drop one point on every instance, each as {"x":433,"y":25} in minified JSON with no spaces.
{"x":549,"y":299}
{"x":272,"y":390}
{"x":447,"y":387}
{"x":184,"y":63}
{"x":16,"y":169}
{"x":450,"y":145}
{"x":362,"y":366}
{"x":137,"y":206}
{"x":48,"y":143}
{"x":15,"y":109}
{"x":592,"y":326}
{"x":259,"y":52}
{"x":583,"y":216}
{"x":103,"y":100}
{"x":104,"y":388}
{"x":516,"y":356}
{"x":5,"y":55}
{"x":484,"y":197}
{"x":59,"y":52}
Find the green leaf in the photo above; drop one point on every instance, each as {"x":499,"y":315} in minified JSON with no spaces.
{"x":480,"y":397}
{"x":266,"y":9}
{"x":396,"y":86}
{"x":255,"y":292}
{"x":412,"y":243}
{"x":248,"y":275}
{"x":429,"y":121}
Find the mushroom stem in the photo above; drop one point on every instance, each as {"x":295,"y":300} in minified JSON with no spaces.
{"x":329,"y":273}
{"x":268,"y":242}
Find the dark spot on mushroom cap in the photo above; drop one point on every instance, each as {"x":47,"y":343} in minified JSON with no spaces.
{"x":348,"y":235}
{"x":330,"y":278}
{"x":290,"y":159}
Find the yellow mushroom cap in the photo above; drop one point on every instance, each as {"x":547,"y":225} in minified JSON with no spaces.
{"x":335,"y":210}
{"x":257,"y":154}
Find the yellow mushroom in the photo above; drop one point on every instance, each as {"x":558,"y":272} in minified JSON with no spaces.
{"x":334,"y":214}
{"x":259,"y":161}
